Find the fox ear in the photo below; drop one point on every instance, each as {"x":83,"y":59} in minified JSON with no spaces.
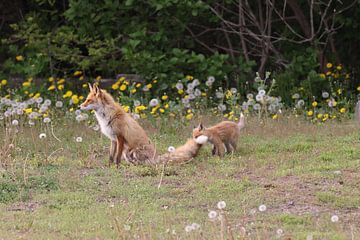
{"x":90,"y":87}
{"x":200,"y":127}
{"x":96,"y":88}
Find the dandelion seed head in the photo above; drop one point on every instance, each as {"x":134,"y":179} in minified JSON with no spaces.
{"x":262,"y":208}
{"x":59,"y":104}
{"x":15,"y":122}
{"x":188,"y":228}
{"x":42,"y":135}
{"x":171,"y":149}
{"x":79,"y":139}
{"x":221,"y":205}
{"x":279,"y":232}
{"x":153,"y":102}
{"x":262,"y":92}
{"x":47,"y":120}
{"x":212,"y":215}
{"x":334,"y":218}
{"x":211,"y":79}
{"x":179,"y":86}
{"x":195,"y":226}
{"x":325,"y":94}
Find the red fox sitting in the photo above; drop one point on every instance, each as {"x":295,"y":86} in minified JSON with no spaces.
{"x":128,"y":138}
{"x":223,"y":136}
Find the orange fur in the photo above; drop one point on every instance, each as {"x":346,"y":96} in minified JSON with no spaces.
{"x":224,"y":135}
{"x":128,"y":139}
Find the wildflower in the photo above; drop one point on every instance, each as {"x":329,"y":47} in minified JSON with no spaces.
{"x":171,"y":149}
{"x":233,"y":90}
{"x":322,"y":75}
{"x":212,"y":215}
{"x":228,"y":94}
{"x":38,"y":98}
{"x":28,"y":110}
{"x":219,"y":94}
{"x":126,"y":108}
{"x":26,"y":84}
{"x":211,"y":79}
{"x":59,"y":104}
{"x":123,"y":87}
{"x":262,"y":92}
{"x":180,"y":91}
{"x":262,"y":208}
{"x":334,"y":218}
{"x":179,"y":86}
{"x":133,"y":90}
{"x":195,"y":226}
{"x":310,"y":113}
{"x":42,"y":135}
{"x":343,"y":110}
{"x":259,"y":98}
{"x":149,"y":86}
{"x":188,"y":228}
{"x":155,"y":81}
{"x":115,"y":86}
{"x":79,"y":139}
{"x":189,"y":77}
{"x":189,"y":116}
{"x":339,"y":67}
{"x":52,"y":87}
{"x":47,"y":120}
{"x":329,"y":65}
{"x":222,"y":107}
{"x":19,"y":58}
{"x":203,"y":94}
{"x":15,"y":122}
{"x":339,"y":91}
{"x":221,"y":205}
{"x":165,"y":97}
{"x":319,"y":115}
{"x":358,"y":88}
{"x":77,"y":73}
{"x":138,"y":85}
{"x":257,"y":107}
{"x":153,"y":102}
{"x":275,"y":116}
{"x":161,"y":110}
{"x":51,"y":79}
{"x":279,"y":232}
{"x":3,"y":82}
{"x":61,"y":87}
{"x":98,"y":78}
{"x":249,"y":96}
{"x":325,"y":94}
{"x":328,"y":73}
{"x":81,"y":78}
{"x":314,"y":104}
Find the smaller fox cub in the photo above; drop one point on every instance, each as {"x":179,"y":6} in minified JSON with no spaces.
{"x":223,"y":136}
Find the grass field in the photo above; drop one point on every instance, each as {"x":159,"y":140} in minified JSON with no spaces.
{"x":58,"y":188}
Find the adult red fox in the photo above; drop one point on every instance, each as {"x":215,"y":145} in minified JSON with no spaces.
{"x":223,"y":136}
{"x":128,"y":139}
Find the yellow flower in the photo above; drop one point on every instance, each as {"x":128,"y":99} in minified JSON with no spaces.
{"x":26,"y":84}
{"x":203,"y":94}
{"x":154,"y":81}
{"x":329,"y":65}
{"x":115,"y":86}
{"x":37,"y":95}
{"x":61,"y":87}
{"x":319,"y":116}
{"x":339,"y":91}
{"x":98,"y":78}
{"x":81,"y":78}
{"x":189,"y":111}
{"x":339,"y":67}
{"x":149,"y":86}
{"x":143,"y":115}
{"x":310,"y":113}
{"x":71,"y":109}
{"x":30,"y":79}
{"x":126,"y":108}
{"x":3,"y":82}
{"x":77,"y":73}
{"x":123,"y":87}
{"x":28,"y":110}
{"x":189,"y":77}
{"x":189,"y":116}
{"x":61,"y":81}
{"x":322,"y":75}
{"x":85,"y":85}
{"x":121,"y":79}
{"x":166,"y":106}
{"x":19,"y":58}
{"x":343,"y":110}
{"x":51,"y":79}
{"x":181,"y":91}
{"x":336,"y":75}
{"x":314,"y":104}
{"x":133,"y":90}
{"x":68,"y":94}
{"x":26,"y":92}
{"x":81,"y":97}
{"x":172,"y":114}
{"x":165,"y":97}
{"x":334,"y":103}
{"x":31,"y":94}
{"x":126,"y":83}
{"x":138,"y":85}
{"x":75,"y":99}
{"x":228,"y":94}
{"x":328,"y":73}
{"x":226,"y":115}
{"x":52,"y":87}
{"x":358,"y":88}
{"x":161,"y":110}
{"x":275,"y":116}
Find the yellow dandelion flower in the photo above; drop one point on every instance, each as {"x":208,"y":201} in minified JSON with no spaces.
{"x":319,"y":116}
{"x":115,"y":86}
{"x":126,"y":108}
{"x":161,"y":110}
{"x":51,"y":79}
{"x":75,"y":99}
{"x":61,"y":81}
{"x":4,"y":82}
{"x":322,"y":75}
{"x":26,"y":84}
{"x":189,"y":111}
{"x":339,"y":91}
{"x":149,"y":86}
{"x":77,"y":73}
{"x":28,"y":110}
{"x":126,"y":83}
{"x":143,"y":115}
{"x":71,"y":109}
{"x":155,"y":81}
{"x":328,"y":73}
{"x":166,"y":106}
{"x":85,"y":85}
{"x":98,"y":78}
{"x":81,"y":78}
{"x":189,"y":77}
{"x":37,"y":95}
{"x":68,"y":94}
{"x":310,"y":113}
{"x":358,"y":88}
{"x":31,"y":95}
{"x":336,"y":75}
{"x":339,"y":67}
{"x":52,"y":87}
{"x":121,"y":79}
{"x":203,"y":94}
{"x":19,"y":58}
{"x":226,"y":115}
{"x":189,"y":116}
{"x":314,"y":104}
{"x":329,"y":65}
{"x":138,"y":85}
{"x":61,"y":87}
{"x":26,"y":92}
{"x":275,"y":116}
{"x":81,"y":97}
{"x":133,"y":90}
{"x":165,"y":97}
{"x":343,"y":110}
{"x":180,"y":91}
{"x":123,"y":87}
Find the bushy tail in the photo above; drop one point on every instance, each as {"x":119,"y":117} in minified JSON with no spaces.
{"x":241,"y":123}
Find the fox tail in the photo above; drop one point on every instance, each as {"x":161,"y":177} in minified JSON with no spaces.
{"x":241,"y":123}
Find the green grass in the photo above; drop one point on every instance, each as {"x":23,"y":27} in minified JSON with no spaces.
{"x":303,"y":173}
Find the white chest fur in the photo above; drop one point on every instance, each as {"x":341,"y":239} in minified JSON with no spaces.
{"x":103,"y":121}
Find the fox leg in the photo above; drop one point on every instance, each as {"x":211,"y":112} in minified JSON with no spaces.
{"x":119,"y":150}
{"x":113,"y":147}
{"x":233,"y":145}
{"x":229,"y":147}
{"x":219,"y":146}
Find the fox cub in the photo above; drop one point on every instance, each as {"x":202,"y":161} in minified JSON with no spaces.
{"x":128,"y":139}
{"x":223,"y":136}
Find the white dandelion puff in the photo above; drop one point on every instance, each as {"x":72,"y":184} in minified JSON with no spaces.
{"x":42,"y":135}
{"x":188,"y":228}
{"x":195,"y":226}
{"x":59,"y":104}
{"x":262,"y":92}
{"x":279,"y":232}
{"x":39,"y":100}
{"x":153,"y":102}
{"x":257,"y":106}
{"x":259,"y":97}
{"x":79,"y":139}
{"x":171,"y":149}
{"x":47,"y":102}
{"x":211,"y":79}
{"x":262,"y":208}
{"x":250,"y":96}
{"x":179,"y":86}
{"x":325,"y":94}
{"x":47,"y":120}
{"x":334,"y":218}
{"x":15,"y":122}
{"x":137,"y":103}
{"x":212,"y":215}
{"x":221,"y":205}
{"x":295,"y":96}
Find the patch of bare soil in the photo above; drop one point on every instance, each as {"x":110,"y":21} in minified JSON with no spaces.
{"x":25,"y":206}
